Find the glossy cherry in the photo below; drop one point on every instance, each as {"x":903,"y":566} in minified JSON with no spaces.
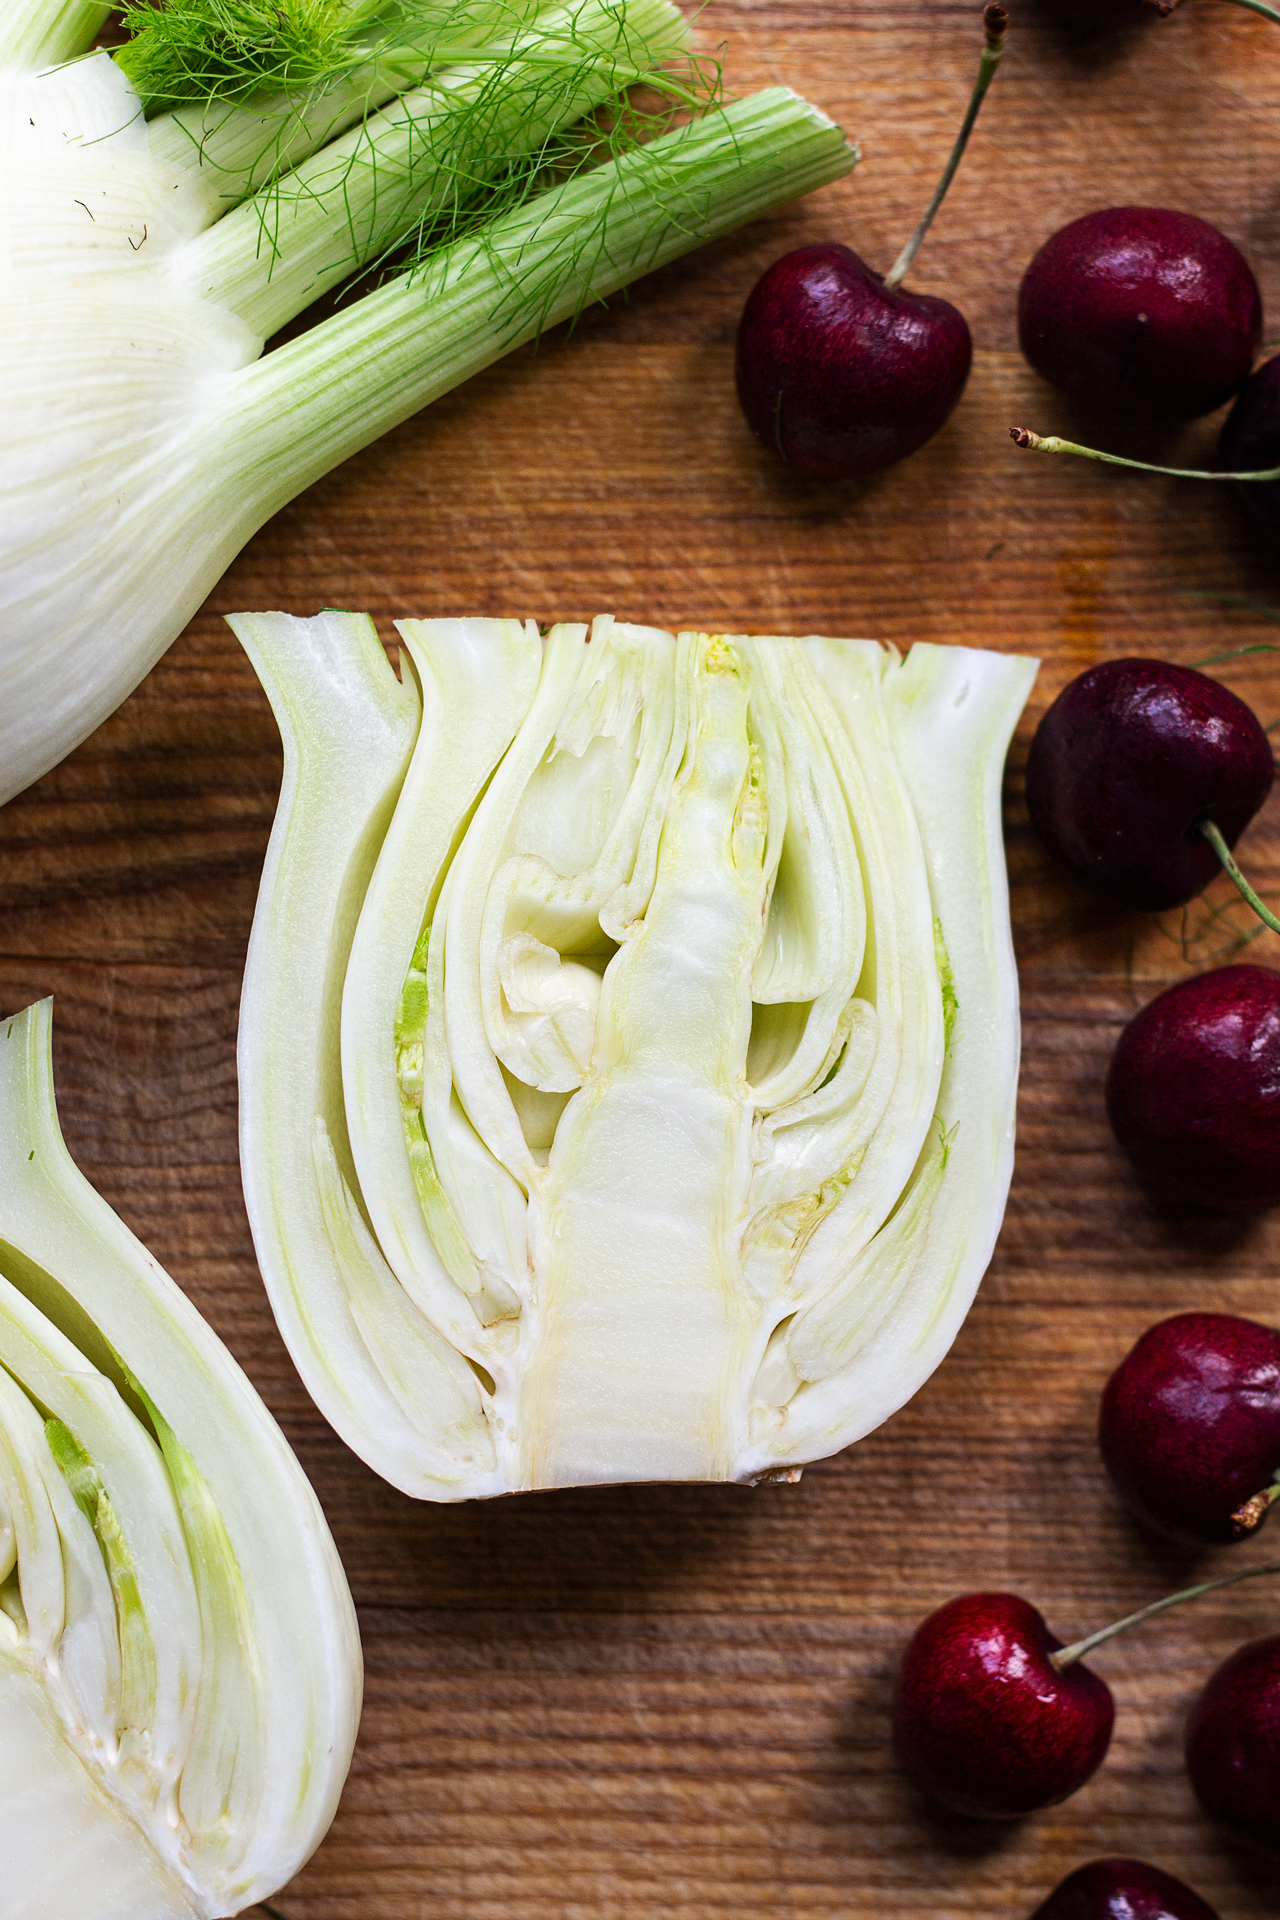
{"x":1193,"y":1091}
{"x":1233,"y":1745}
{"x":1122,"y":1890}
{"x":840,"y":374}
{"x":984,"y":1722}
{"x":840,"y":369}
{"x":1189,"y":1427}
{"x":993,"y":1717}
{"x":1128,"y":762}
{"x":1141,"y":309}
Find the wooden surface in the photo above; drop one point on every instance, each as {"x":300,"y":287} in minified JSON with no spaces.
{"x":644,"y":1703}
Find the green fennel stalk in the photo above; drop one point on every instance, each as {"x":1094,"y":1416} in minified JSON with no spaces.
{"x":300,"y":411}
{"x":40,"y":32}
{"x":473,"y":143}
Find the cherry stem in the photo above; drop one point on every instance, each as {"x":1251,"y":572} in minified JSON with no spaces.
{"x":1234,"y":653}
{"x":1067,"y":1656}
{"x":1050,"y":443}
{"x":1213,"y":835}
{"x":1246,"y":1517}
{"x":1258,"y":6}
{"x":995,"y":21}
{"x":1244,"y":601}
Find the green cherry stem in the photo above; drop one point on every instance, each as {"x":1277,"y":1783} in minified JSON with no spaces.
{"x":1213,"y":835}
{"x":1067,"y":1656}
{"x":1234,"y":653}
{"x":1241,"y":602}
{"x":995,"y":22}
{"x":1259,"y":6}
{"x":1050,"y":443}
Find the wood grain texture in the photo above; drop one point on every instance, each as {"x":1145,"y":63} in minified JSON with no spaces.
{"x":672,"y":1703}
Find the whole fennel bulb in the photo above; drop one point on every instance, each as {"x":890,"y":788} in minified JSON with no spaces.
{"x":142,"y":437}
{"x":180,"y":1669}
{"x":629,"y":1040}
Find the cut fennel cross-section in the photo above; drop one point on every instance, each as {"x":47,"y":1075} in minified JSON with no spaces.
{"x":180,"y":1668}
{"x":629,"y":1039}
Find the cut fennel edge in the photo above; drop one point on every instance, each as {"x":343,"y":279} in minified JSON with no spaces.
{"x":419,"y":1275}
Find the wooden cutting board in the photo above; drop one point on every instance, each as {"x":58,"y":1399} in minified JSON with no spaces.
{"x":672,"y":1703}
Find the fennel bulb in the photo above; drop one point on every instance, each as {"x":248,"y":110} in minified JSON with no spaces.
{"x":180,"y":1669}
{"x":629,"y":1040}
{"x":143,"y":438}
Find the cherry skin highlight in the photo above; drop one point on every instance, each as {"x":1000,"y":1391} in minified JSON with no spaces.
{"x":1233,"y":1745}
{"x":984,"y":1722}
{"x":840,"y":375}
{"x":1127,"y":762}
{"x":1189,"y":1426}
{"x":1143,"y":309}
{"x":1122,"y":1890}
{"x":1250,"y":442}
{"x":1193,"y":1091}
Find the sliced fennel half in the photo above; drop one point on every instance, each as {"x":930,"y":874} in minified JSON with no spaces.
{"x":629,"y":1040}
{"x":143,"y":438}
{"x":180,"y":1669}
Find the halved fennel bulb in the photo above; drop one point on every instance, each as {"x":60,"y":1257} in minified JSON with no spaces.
{"x":180,"y":1669}
{"x":629,"y":1040}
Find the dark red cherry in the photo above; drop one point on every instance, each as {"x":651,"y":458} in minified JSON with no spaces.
{"x":1122,"y":1890}
{"x":840,"y":375}
{"x":1189,"y":1426}
{"x":840,"y":370}
{"x":984,"y":1722}
{"x":1124,"y":766}
{"x":1141,"y":309}
{"x":1233,"y":1745}
{"x":1250,"y":441}
{"x":1193,"y":1090}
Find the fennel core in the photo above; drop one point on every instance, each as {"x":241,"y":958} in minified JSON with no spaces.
{"x":175,"y":277}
